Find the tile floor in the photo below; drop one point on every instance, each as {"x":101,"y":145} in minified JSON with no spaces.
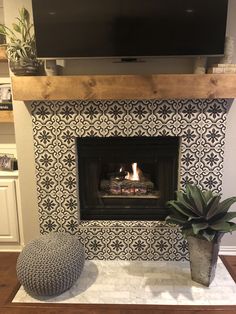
{"x":139,"y":282}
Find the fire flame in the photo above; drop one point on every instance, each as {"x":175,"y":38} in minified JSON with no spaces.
{"x":135,"y":175}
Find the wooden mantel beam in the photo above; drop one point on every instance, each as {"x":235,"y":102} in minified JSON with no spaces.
{"x":115,"y":87}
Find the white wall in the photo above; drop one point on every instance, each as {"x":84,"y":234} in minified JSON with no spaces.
{"x":7,"y":132}
{"x":7,"y":139}
{"x":4,"y":72}
{"x":231,"y":24}
{"x":229,"y":174}
{"x":1,"y":12}
{"x":24,"y":141}
{"x":167,"y":65}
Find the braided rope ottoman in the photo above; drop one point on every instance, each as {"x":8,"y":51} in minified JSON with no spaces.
{"x":50,"y":264}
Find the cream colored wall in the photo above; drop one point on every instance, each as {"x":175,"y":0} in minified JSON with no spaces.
{"x":7,"y":132}
{"x":3,"y":65}
{"x":24,"y":137}
{"x":24,"y":144}
{"x":229,"y":174}
{"x":4,"y":71}
{"x":24,"y":140}
{"x":1,"y":12}
{"x":7,"y":139}
{"x":26,"y":165}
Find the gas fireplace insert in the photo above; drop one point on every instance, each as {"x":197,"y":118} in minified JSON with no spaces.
{"x":126,"y":178}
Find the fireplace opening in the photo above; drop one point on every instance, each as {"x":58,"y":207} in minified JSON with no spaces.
{"x":126,"y":178}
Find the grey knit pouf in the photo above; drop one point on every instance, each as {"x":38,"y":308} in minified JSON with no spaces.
{"x":50,"y":264}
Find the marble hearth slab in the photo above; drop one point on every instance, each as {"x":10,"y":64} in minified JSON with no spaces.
{"x":143,"y":282}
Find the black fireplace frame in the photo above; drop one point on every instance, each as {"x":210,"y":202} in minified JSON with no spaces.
{"x":167,"y":146}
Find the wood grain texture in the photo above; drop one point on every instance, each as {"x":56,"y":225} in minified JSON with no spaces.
{"x":163,"y":86}
{"x":8,"y":280}
{"x":3,"y":55}
{"x":6,"y":116}
{"x":113,"y":309}
{"x":9,"y":286}
{"x":230,"y":264}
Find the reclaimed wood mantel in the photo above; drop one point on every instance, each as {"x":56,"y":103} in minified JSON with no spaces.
{"x":115,"y":87}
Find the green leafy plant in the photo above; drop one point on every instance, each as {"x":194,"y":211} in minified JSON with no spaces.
{"x":201,"y":213}
{"x":21,"y":39}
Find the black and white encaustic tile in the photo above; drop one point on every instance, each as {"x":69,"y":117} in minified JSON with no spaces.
{"x":201,"y":126}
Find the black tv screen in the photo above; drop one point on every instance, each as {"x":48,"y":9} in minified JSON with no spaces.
{"x":129,"y":28}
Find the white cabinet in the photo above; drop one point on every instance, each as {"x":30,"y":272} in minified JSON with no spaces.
{"x":9,"y":226}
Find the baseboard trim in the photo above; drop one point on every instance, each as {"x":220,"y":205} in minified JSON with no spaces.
{"x":16,"y":248}
{"x":228,"y":250}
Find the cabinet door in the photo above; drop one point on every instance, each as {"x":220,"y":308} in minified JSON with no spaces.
{"x":8,"y":211}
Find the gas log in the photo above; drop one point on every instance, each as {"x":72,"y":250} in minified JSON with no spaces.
{"x":126,"y":187}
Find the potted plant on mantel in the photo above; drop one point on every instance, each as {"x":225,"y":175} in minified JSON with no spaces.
{"x":21,"y":49}
{"x":203,"y":220}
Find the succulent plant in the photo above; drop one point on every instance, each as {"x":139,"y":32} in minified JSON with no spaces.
{"x":201,"y":213}
{"x":21,"y":39}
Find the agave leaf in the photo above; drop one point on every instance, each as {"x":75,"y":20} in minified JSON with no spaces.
{"x":204,"y":202}
{"x":208,"y":195}
{"x":212,"y":207}
{"x":179,"y":195}
{"x":188,"y":190}
{"x":191,"y":205}
{"x":208,"y":236}
{"x":199,"y":226}
{"x":182,"y":198}
{"x":232,"y":226}
{"x":196,"y":197}
{"x":176,"y":221}
{"x":200,"y":199}
{"x":225,"y":205}
{"x":180,"y":208}
{"x":222,"y":226}
{"x":176,"y":214}
{"x":224,"y":217}
{"x":197,"y":219}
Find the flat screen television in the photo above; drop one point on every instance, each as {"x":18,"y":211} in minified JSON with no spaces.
{"x":129,"y":28}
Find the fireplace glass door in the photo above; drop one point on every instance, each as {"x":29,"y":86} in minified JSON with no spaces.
{"x":126,"y":178}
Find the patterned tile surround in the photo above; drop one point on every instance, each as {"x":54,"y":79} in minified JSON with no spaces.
{"x":199,"y":123}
